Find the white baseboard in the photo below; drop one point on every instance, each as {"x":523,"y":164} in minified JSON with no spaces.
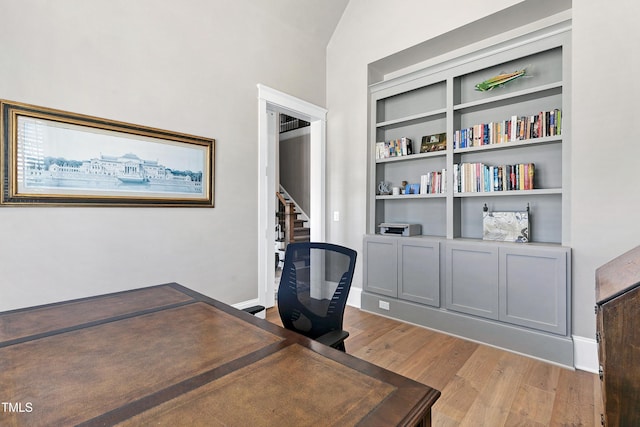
{"x":585,"y":354}
{"x":250,"y":303}
{"x":354,"y":297}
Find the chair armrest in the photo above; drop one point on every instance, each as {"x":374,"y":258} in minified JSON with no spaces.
{"x":333,"y":338}
{"x":254,"y":309}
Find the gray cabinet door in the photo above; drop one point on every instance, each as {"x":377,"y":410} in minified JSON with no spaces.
{"x":472,"y":279}
{"x":533,"y":287}
{"x":419,"y":271}
{"x":381,"y":265}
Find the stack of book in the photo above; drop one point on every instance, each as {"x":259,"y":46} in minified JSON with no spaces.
{"x":394,"y":148}
{"x":543,"y":124}
{"x":434,"y":182}
{"x":481,"y":178}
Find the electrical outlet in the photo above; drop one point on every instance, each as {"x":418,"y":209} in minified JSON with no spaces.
{"x":336,"y":215}
{"x":384,"y":305}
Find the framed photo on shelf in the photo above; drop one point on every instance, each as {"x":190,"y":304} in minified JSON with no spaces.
{"x":430,"y":143}
{"x":53,"y":157}
{"x":412,"y":189}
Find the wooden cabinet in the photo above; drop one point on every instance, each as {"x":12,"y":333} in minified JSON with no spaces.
{"x":404,"y":267}
{"x":618,"y":336}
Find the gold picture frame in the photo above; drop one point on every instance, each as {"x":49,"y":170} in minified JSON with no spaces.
{"x":431,"y":143}
{"x":54,"y":157}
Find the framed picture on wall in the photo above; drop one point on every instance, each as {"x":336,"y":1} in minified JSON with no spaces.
{"x":53,"y":157}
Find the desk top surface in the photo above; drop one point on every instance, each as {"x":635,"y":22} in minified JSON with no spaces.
{"x":167,"y":355}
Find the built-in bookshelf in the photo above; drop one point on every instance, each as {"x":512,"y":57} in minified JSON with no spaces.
{"x":511,"y":131}
{"x":441,"y":155}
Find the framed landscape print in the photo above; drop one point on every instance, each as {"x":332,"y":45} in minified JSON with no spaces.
{"x":56,"y":157}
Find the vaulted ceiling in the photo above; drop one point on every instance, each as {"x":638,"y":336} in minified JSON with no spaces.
{"x":318,"y":18}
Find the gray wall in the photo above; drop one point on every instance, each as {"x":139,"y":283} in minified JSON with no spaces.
{"x":190,"y":66}
{"x":604,"y":109}
{"x":295,"y":155}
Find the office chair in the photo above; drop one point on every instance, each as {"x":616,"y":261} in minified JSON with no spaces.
{"x":313,"y":290}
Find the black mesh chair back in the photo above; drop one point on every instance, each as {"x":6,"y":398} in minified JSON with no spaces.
{"x":313,"y":291}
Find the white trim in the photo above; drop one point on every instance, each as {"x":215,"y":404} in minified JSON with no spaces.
{"x":266,"y":223}
{"x":317,"y":180}
{"x":250,"y":303}
{"x":283,"y":103}
{"x":354,"y":297}
{"x":585,"y":354}
{"x":271,"y":100}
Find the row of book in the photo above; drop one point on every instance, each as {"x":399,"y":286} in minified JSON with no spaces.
{"x":543,"y":124}
{"x":434,"y":182}
{"x":481,"y":178}
{"x":394,"y":148}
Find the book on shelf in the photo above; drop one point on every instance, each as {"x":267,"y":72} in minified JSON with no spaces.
{"x":394,"y":148}
{"x":481,"y":178}
{"x":516,"y":128}
{"x":434,"y":182}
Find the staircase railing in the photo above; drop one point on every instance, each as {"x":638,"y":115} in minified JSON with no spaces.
{"x":287,"y":209}
{"x":294,"y":229}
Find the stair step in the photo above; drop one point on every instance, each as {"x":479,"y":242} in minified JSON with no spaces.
{"x":302,"y":232}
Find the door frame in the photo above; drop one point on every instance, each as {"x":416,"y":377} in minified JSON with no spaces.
{"x":273,"y":101}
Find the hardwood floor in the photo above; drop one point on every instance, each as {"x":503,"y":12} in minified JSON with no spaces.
{"x":480,"y":385}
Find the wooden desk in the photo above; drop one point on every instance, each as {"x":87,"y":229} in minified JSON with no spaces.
{"x":167,"y":355}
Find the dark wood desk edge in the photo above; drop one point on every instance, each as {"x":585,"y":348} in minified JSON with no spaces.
{"x":421,"y":415}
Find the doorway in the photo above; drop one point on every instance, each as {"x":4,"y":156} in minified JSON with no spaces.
{"x":292,"y":185}
{"x":271,"y":104}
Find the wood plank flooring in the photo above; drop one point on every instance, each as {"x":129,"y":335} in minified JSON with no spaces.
{"x":480,"y":385}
